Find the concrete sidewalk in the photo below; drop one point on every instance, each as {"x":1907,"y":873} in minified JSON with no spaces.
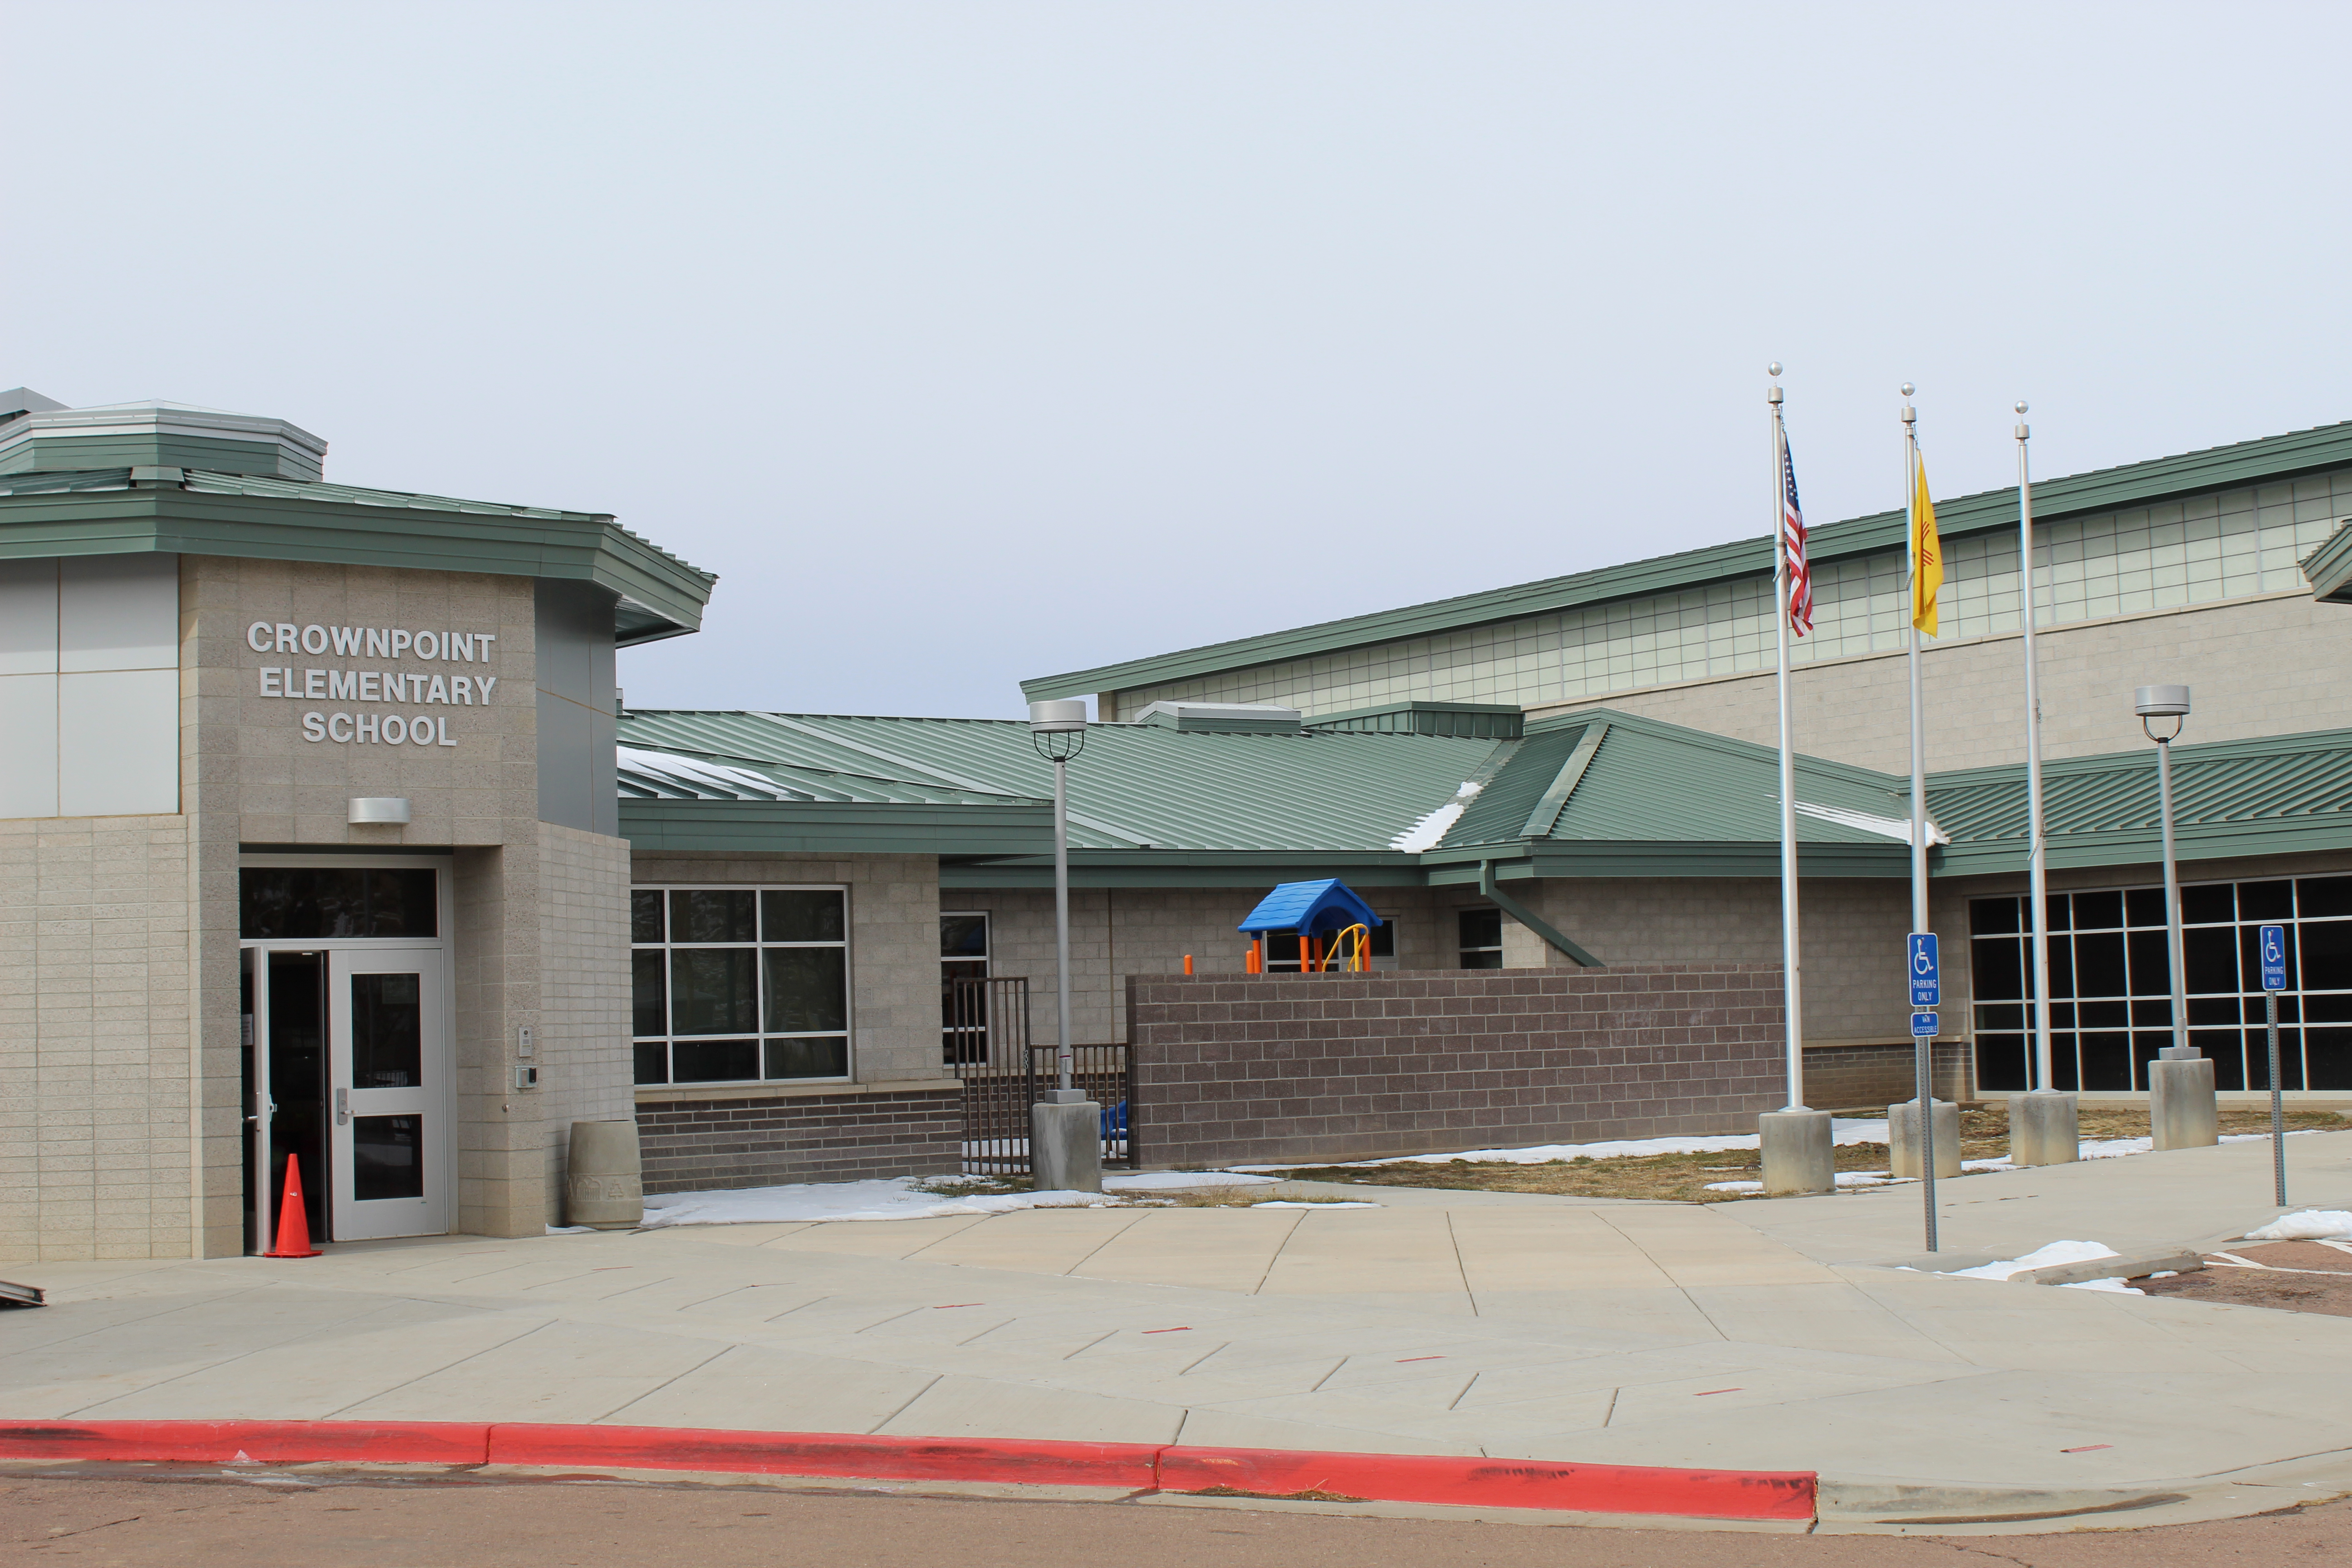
{"x":1749,"y":1336}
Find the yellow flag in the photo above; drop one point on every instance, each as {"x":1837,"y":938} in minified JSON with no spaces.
{"x":1927,"y":551}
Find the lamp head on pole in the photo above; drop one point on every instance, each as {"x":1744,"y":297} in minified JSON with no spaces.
{"x":2160,"y":703}
{"x":2023,"y":430}
{"x":1909,"y":414}
{"x":1058,"y":729}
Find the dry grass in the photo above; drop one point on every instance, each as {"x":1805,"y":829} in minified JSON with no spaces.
{"x":1683,"y":1178}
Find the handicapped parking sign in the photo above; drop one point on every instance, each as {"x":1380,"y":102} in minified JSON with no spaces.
{"x":2271,"y":946}
{"x":1926,"y":970}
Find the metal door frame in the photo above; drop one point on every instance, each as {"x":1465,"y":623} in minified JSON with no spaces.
{"x":257,"y":1112}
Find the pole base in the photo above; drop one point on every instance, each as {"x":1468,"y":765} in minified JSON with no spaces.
{"x":2181,"y":1112}
{"x":1065,"y":1147}
{"x":1797,"y":1152}
{"x":1902,"y":1139}
{"x":2045,"y":1127}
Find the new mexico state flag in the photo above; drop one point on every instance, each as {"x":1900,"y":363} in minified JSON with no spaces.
{"x":1927,"y":551}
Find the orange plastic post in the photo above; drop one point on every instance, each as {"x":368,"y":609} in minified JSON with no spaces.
{"x":1306,"y":954}
{"x":293,"y":1238}
{"x":1188,"y":963}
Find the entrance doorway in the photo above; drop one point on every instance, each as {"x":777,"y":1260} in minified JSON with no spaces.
{"x":348,"y":1065}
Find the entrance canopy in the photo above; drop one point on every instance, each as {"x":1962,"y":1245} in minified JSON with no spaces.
{"x":1310,"y":909}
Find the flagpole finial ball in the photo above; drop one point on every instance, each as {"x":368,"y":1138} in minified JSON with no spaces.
{"x":1773,"y":369}
{"x":1906,"y":389}
{"x":2020,"y":405}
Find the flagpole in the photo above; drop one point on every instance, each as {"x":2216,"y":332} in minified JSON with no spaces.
{"x":2037,"y":853}
{"x":1923,"y":1045}
{"x":1783,"y":585}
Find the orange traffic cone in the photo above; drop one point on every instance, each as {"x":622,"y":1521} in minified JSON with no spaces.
{"x":293,"y":1219}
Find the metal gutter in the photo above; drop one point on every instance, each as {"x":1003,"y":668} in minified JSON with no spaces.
{"x":1529,"y":918}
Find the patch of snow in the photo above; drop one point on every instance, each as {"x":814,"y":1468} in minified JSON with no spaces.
{"x":2047,"y":1256}
{"x":895,"y":1198}
{"x":2003,"y":1164}
{"x":1896,"y":828}
{"x":1844,"y":1179}
{"x":1843,"y":1130}
{"x":2114,"y":1286}
{"x":570,"y":1230}
{"x":693,"y":771}
{"x":1424,"y":834}
{"x":2304,"y":1225}
{"x":1187,"y":1181}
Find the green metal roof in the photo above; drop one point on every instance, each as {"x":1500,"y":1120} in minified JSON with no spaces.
{"x":2135,"y":484}
{"x":195,"y":512}
{"x":2328,"y":569}
{"x":1604,"y":793}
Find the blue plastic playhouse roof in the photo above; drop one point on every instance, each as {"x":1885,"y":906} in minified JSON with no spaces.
{"x":1310,"y":907}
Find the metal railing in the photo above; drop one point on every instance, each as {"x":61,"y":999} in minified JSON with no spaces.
{"x":986,"y":1044}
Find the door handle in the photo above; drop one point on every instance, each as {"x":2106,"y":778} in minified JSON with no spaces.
{"x":343,"y":1107}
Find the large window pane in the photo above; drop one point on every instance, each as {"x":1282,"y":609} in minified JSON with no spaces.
{"x":2000,"y":972}
{"x":311,"y":903}
{"x":823,"y":1057}
{"x":1992,"y":917}
{"x":801,"y":914}
{"x":964,"y":936}
{"x":646,"y":915}
{"x":713,"y":991}
{"x":2326,"y":955}
{"x":2323,"y":895}
{"x":653,"y":1061}
{"x":2212,"y":957}
{"x":387,"y":1032}
{"x":2100,"y":911}
{"x":712,"y":914}
{"x":807,"y":989}
{"x":2209,"y":904}
{"x":2099,"y":964}
{"x":648,"y":993}
{"x":2144,"y":906}
{"x":2265,"y":901}
{"x":714,"y":1061}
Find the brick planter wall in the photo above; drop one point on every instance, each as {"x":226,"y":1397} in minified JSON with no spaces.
{"x":1262,"y":1068}
{"x":691,"y":1145}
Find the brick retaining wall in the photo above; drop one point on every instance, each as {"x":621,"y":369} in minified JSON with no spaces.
{"x":695,"y":1144}
{"x":1264,"y":1068}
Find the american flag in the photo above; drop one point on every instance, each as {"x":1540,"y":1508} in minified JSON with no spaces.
{"x":1792,"y":537}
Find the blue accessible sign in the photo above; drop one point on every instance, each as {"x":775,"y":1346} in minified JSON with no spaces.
{"x":2271,"y":948}
{"x":1922,"y":1023}
{"x":1926,"y":970}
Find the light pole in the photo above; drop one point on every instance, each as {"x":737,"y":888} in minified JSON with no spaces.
{"x":2180,"y":1104}
{"x":1064,"y":1132}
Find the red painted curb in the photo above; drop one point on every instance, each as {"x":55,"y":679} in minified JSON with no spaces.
{"x":1135,"y":1466}
{"x":1044,"y":1464}
{"x":256,"y":1442}
{"x":1495,"y":1483}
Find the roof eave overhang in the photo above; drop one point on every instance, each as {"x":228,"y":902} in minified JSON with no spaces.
{"x":667,"y":595}
{"x":2144,"y":846}
{"x":836,"y":828}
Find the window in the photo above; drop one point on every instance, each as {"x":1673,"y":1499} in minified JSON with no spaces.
{"x":1482,"y":938}
{"x":313,"y":903}
{"x":2111,"y":984}
{"x":740,"y":984}
{"x":963,"y":955}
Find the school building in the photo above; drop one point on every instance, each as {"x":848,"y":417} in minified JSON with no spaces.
{"x":325,"y":836}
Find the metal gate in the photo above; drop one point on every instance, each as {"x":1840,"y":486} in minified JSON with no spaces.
{"x":987,"y":1045}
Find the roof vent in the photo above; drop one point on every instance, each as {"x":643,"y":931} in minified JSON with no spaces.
{"x":1222,"y":718}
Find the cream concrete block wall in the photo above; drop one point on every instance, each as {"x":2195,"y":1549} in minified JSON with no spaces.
{"x":583,"y":1051}
{"x":95,"y":1055}
{"x":1851,"y":931}
{"x":2259,"y":667}
{"x":894,"y":946}
{"x":249,"y":777}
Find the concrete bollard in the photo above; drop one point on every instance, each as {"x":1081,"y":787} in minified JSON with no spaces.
{"x":2044,"y":1129}
{"x":2181,"y":1112}
{"x":1066,"y":1143}
{"x":604,"y":1181}
{"x":1796,"y":1149}
{"x":1902,"y":1139}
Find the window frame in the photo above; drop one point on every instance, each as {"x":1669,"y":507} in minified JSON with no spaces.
{"x":759,"y":946}
{"x":1460,"y":949}
{"x":2120,"y":1010}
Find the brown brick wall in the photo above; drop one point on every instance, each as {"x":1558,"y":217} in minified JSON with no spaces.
{"x":1265,"y":1067}
{"x":697,"y":1144}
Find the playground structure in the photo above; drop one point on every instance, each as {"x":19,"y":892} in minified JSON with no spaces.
{"x":1322,"y":927}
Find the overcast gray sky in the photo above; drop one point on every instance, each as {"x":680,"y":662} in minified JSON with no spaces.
{"x":971,"y":341}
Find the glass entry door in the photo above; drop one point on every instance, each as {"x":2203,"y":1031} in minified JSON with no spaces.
{"x":387,"y":1093}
